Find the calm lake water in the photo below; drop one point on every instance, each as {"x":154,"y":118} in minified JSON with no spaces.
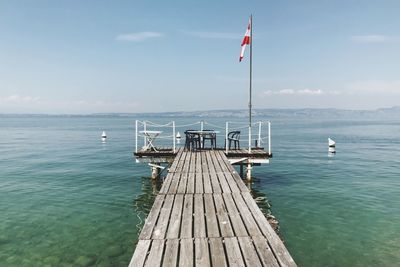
{"x":67,"y":199}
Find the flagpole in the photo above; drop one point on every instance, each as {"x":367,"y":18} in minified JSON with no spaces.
{"x":251,"y":57}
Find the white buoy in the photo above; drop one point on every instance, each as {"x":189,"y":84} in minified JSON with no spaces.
{"x":178,"y":138}
{"x":331,"y":146}
{"x":331,"y":143}
{"x":103,"y":136}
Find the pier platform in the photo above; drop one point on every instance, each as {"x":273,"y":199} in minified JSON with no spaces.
{"x":165,"y":155}
{"x":204,"y":215}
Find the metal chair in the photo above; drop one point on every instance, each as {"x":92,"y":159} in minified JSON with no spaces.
{"x":212,"y":136}
{"x":192,"y":141}
{"x":234,"y":137}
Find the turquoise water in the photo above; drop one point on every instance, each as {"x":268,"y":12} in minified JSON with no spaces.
{"x":67,"y":199}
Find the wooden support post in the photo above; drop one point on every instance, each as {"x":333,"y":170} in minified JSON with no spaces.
{"x":241,"y":170}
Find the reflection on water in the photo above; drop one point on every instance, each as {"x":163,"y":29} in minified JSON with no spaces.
{"x":263,"y":203}
{"x":142,"y":203}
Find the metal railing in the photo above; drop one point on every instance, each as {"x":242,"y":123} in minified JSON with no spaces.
{"x":167,"y":135}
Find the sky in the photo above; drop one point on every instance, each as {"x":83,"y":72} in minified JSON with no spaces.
{"x":158,"y":56}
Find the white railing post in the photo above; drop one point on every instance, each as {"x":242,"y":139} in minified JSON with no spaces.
{"x":269,"y":138}
{"x":226,"y":137}
{"x":201,"y":125}
{"x":259,"y":134}
{"x":249,"y":138}
{"x":173,"y":134}
{"x":144,"y":129}
{"x":136,"y":135}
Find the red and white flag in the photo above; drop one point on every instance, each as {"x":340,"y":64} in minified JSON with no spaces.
{"x":246,"y":40}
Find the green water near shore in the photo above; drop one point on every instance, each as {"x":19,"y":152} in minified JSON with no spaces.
{"x":66,"y":199}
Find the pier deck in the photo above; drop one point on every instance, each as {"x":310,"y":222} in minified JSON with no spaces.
{"x":163,"y":155}
{"x":204,"y":215}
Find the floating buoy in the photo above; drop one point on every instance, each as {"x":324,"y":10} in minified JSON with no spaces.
{"x":331,"y":143}
{"x":178,"y":138}
{"x":331,"y":146}
{"x":103,"y":136}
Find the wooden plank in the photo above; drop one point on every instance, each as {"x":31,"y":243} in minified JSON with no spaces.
{"x":140,"y":253}
{"x":220,"y":162}
{"x":192,"y":163}
{"x":222,"y":215}
{"x":181,"y":162}
{"x":204,"y":163}
{"x":199,"y":183}
{"x":174,"y":183}
{"x":237,"y":223}
{"x":171,"y":253}
{"x":225,"y":161}
{"x":207,"y":183}
{"x":216,"y":188}
{"x":151,"y":219}
{"x":187,"y":217}
{"x":162,"y":222}
{"x":248,"y":251}
{"x":176,"y":160}
{"x":214,"y":160}
{"x":202,"y":255}
{"x":211,"y":217}
{"x":203,"y":226}
{"x":156,"y":253}
{"x":223,"y":182}
{"x":251,"y":225}
{"x":199,"y":220}
{"x":198,"y":162}
{"x":277,"y":246}
{"x":232,"y":183}
{"x":182,"y":183}
{"x":233,"y":252}
{"x":186,"y":258}
{"x":167,"y":182}
{"x":264,"y":251}
{"x":175,"y":220}
{"x":218,"y":257}
{"x":239,"y":182}
{"x":190,"y":183}
{"x":186,"y":162}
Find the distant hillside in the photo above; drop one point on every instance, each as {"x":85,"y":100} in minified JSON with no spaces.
{"x":393,"y":112}
{"x":271,"y":113}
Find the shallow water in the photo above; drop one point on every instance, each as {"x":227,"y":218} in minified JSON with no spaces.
{"x":67,"y":199}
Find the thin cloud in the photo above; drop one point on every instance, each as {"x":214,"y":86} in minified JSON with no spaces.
{"x":295,"y":92}
{"x":17,"y":99}
{"x":374,"y":38}
{"x":212,"y":35}
{"x":138,"y":37}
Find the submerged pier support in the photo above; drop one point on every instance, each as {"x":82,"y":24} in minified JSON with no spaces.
{"x":248,"y":171}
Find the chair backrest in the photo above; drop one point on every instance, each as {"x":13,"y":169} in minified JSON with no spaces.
{"x":234,"y":134}
{"x":190,"y":135}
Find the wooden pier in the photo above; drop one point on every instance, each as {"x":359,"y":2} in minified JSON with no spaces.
{"x":204,"y":215}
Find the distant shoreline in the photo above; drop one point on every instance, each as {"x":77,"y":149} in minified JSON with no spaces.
{"x":237,"y":113}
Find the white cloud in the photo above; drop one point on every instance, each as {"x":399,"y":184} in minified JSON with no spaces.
{"x":17,"y":99}
{"x":213,"y":35}
{"x":138,"y":37}
{"x":298,"y":92}
{"x":374,"y":38}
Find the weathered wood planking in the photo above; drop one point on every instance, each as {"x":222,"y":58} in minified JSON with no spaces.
{"x":205,"y":215}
